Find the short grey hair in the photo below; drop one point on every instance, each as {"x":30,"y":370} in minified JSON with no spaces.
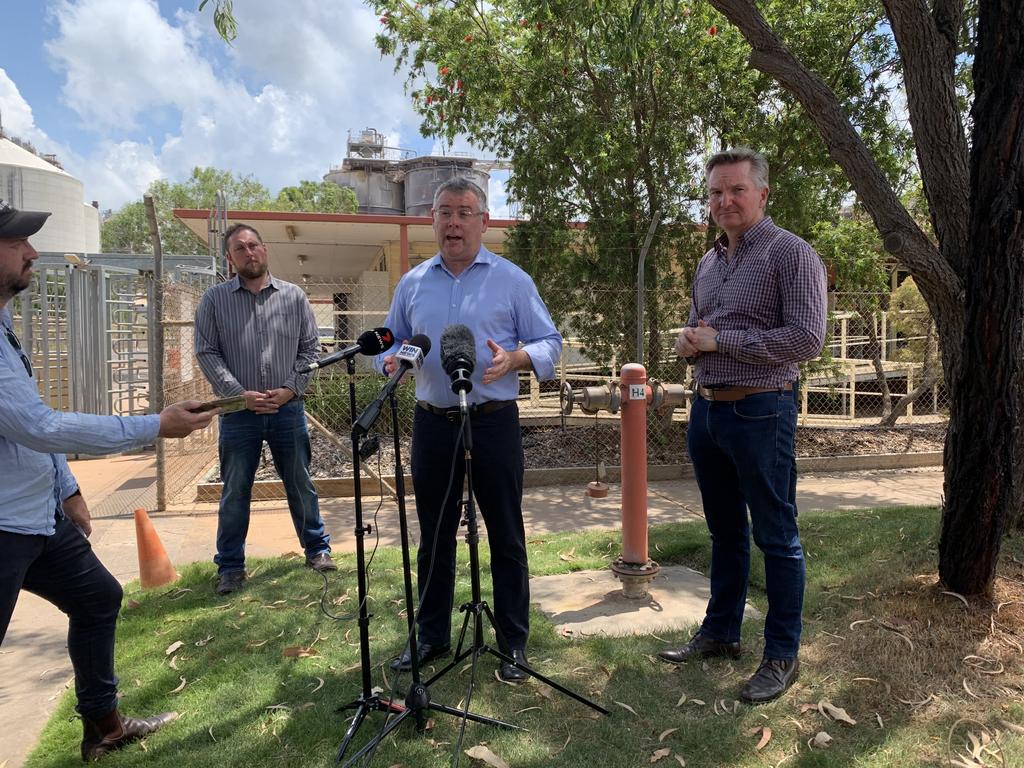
{"x":758,"y":163}
{"x":459,"y":185}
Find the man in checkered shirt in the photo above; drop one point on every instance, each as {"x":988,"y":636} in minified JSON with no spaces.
{"x":759,"y":305}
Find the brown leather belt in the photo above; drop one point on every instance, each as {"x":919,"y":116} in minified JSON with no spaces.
{"x":731,"y":394}
{"x":477,"y":409}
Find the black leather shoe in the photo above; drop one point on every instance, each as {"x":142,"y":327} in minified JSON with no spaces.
{"x":424,"y":651}
{"x":321,"y":562}
{"x":230,"y":581}
{"x":512,"y":674}
{"x":772,"y":679}
{"x":703,"y":647}
{"x":114,"y":730}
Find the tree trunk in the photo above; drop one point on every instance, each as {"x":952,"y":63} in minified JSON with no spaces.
{"x":984,"y":458}
{"x":928,"y":377}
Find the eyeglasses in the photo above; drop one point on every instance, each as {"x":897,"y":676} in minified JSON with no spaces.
{"x":240,"y":248}
{"x":17,"y":348}
{"x":462,"y":214}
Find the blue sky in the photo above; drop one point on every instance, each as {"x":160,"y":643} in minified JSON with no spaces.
{"x":128,"y":91}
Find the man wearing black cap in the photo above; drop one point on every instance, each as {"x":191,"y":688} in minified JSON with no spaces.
{"x":44,"y":520}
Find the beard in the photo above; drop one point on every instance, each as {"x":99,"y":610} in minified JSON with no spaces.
{"x":252,"y":271}
{"x":12,"y":285}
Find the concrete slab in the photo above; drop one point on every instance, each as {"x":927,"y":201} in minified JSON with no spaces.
{"x":591,"y":602}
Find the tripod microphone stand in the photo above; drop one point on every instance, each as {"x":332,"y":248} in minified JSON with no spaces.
{"x":417,"y":699}
{"x":478,"y":608}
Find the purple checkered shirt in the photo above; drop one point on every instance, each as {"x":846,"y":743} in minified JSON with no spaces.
{"x":768,"y":304}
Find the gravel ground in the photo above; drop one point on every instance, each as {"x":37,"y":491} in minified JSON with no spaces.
{"x":583,"y":446}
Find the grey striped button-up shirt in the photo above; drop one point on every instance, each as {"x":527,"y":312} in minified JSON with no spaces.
{"x":768,"y":304}
{"x":255,"y":342}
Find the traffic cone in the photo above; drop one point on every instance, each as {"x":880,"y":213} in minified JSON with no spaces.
{"x":155,"y":567}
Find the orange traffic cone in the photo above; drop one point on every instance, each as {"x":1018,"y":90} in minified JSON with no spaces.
{"x":155,"y":567}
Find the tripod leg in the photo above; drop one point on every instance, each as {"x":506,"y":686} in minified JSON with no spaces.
{"x":357,"y":720}
{"x":534,"y":673}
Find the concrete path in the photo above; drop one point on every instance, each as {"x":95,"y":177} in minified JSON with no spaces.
{"x":34,"y":665}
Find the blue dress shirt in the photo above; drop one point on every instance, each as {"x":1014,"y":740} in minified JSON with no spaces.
{"x":35,"y":478}
{"x":496,"y":300}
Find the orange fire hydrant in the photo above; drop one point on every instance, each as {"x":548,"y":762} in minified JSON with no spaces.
{"x":633,"y":567}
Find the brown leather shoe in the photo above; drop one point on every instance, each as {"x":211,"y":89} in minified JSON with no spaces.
{"x":113,"y":731}
{"x":772,"y":679}
{"x":703,"y":647}
{"x":321,"y":562}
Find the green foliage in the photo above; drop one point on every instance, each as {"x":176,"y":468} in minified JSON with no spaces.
{"x":318,"y":197}
{"x":606,"y":110}
{"x":127,"y":231}
{"x":327,"y":399}
{"x":852,"y":250}
{"x":910,"y":321}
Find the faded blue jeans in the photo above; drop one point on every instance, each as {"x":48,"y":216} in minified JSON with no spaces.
{"x":241,"y":443}
{"x":744,"y":458}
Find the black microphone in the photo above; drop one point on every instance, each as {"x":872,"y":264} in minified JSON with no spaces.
{"x":369,"y":343}
{"x":410,"y":355}
{"x":458,"y":357}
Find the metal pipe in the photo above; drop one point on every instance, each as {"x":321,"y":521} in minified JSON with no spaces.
{"x":156,"y":361}
{"x":641,"y":287}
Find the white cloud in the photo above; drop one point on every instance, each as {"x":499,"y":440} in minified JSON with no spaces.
{"x":278,"y":104}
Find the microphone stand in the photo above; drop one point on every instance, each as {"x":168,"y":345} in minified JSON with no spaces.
{"x":478,"y":608}
{"x":367,"y":701}
{"x":418,"y":697}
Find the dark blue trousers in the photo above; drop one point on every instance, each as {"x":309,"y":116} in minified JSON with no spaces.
{"x":63,"y":569}
{"x":744,"y":458}
{"x":497,"y":458}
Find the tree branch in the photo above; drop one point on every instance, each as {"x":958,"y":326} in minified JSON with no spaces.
{"x":928,"y":47}
{"x":938,"y":283}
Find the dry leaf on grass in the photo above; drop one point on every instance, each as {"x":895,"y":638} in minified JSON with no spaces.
{"x":664,"y":734}
{"x":682,"y":700}
{"x":568,"y":556}
{"x":679,"y":759}
{"x":820,"y":740}
{"x":319,"y":685}
{"x":173,"y":647}
{"x":627,"y":707}
{"x":298,"y":652}
{"x":204,"y":641}
{"x":181,"y":687}
{"x":766,"y":735}
{"x":836,"y":713}
{"x":480,"y":752}
{"x":658,"y":754}
{"x":958,"y":596}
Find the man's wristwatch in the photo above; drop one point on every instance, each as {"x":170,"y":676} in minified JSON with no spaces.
{"x":76,"y":492}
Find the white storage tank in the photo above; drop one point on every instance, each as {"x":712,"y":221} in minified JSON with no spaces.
{"x":28,"y":182}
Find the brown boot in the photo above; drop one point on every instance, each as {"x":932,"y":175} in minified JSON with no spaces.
{"x":113,"y":731}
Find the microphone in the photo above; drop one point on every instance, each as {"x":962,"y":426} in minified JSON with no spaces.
{"x":458,"y":357}
{"x":409,"y":356}
{"x":369,"y":343}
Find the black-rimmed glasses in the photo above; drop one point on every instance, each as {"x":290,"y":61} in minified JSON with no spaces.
{"x":17,"y":348}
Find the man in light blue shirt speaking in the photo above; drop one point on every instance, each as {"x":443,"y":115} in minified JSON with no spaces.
{"x":44,"y":521}
{"x":465,"y":284}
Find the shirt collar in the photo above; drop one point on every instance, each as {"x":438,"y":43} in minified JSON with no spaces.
{"x":483,"y":256}
{"x":750,"y":237}
{"x":236,"y":284}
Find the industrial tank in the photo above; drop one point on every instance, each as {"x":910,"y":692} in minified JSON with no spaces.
{"x":29,"y":182}
{"x":375,"y":190}
{"x":423,"y":175}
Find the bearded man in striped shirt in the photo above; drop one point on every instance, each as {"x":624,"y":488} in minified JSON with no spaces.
{"x":759,"y":307}
{"x":254,"y":334}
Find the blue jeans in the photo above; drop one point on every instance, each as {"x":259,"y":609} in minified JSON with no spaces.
{"x":241,"y":444}
{"x":744,"y":457}
{"x":64,"y":570}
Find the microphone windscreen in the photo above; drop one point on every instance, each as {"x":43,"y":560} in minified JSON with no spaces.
{"x":376,"y":341}
{"x":458,"y":348}
{"x":421,"y":341}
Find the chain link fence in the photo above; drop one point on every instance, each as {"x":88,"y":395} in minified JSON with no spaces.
{"x":89,"y":330}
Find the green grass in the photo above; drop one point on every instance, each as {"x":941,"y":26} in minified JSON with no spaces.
{"x":246,"y":704}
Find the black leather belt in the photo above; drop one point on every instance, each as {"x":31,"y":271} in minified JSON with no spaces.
{"x":479,"y":409}
{"x":730,"y":394}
